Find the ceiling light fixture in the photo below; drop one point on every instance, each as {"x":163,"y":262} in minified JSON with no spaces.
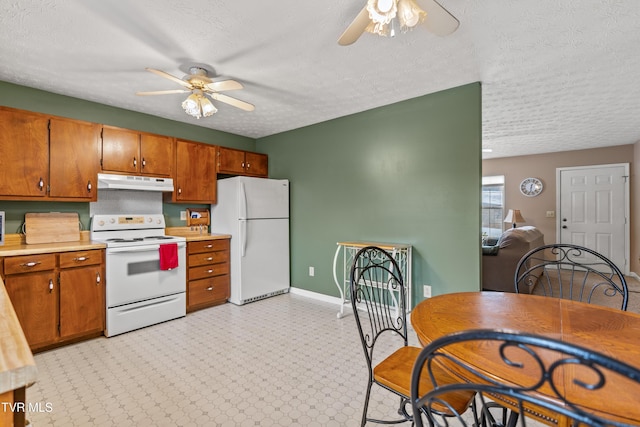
{"x":384,"y":12}
{"x":197,"y":105}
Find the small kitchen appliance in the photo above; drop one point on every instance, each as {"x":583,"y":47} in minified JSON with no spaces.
{"x":139,"y":292}
{"x":255,"y":211}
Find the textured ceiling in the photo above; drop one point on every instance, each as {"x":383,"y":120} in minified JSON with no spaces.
{"x":556,"y":75}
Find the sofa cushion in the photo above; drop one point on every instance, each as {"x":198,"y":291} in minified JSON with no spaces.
{"x":490,"y":250}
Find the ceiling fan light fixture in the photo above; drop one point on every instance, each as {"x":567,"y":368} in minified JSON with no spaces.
{"x":384,"y":13}
{"x":410,"y":14}
{"x":191,"y":106}
{"x":207,"y":107}
{"x":197,"y":105}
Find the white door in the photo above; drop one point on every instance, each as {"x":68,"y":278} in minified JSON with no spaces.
{"x":593,"y":210}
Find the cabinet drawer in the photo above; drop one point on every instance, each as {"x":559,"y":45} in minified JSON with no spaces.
{"x":80,"y":258}
{"x":208,"y":258}
{"x":208,"y":271}
{"x":208,"y":290}
{"x":208,"y":246}
{"x":29,"y":263}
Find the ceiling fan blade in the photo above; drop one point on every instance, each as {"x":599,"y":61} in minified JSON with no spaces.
{"x":224,"y":85}
{"x":232,"y":101}
{"x":163,"y":92}
{"x":439,"y":21}
{"x":170,"y":77}
{"x":355,"y":29}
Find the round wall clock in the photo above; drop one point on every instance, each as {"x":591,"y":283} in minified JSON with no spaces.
{"x":531,"y":187}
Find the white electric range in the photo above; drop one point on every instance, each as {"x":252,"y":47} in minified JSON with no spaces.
{"x":138,"y":292}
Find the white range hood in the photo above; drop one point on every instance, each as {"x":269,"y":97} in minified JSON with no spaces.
{"x":128,"y":182}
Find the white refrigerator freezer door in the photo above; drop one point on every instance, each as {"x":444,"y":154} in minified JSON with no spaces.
{"x":264,"y":198}
{"x":264,"y":268}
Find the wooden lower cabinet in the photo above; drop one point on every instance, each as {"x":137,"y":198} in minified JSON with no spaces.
{"x":57,"y":297}
{"x":208,"y":273}
{"x":82,"y":301}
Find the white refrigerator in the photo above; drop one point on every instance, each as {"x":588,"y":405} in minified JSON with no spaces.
{"x":255,"y":211}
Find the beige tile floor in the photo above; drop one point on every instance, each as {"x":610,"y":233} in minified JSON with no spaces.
{"x":283,"y":361}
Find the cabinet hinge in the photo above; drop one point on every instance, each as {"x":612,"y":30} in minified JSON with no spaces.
{"x":58,"y":280}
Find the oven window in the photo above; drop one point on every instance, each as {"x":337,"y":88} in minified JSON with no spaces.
{"x":143,"y":267}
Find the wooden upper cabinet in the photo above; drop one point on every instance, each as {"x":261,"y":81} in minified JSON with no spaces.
{"x":24,"y":153}
{"x":157,"y":154}
{"x":238,"y":162}
{"x":136,"y":153}
{"x":120,"y":150}
{"x":256,"y":164}
{"x":74,"y":159}
{"x":195,"y":173}
{"x":230,"y":161}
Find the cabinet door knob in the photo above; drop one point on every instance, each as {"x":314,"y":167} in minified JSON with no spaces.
{"x":248,"y":165}
{"x":210,"y":288}
{"x":98,"y":278}
{"x":144,"y":163}
{"x":210,"y":258}
{"x":30,"y":264}
{"x":41,"y":184}
{"x":50,"y":285}
{"x":81,"y":259}
{"x":179,"y":190}
{"x":135,"y":162}
{"x":89,"y":186}
{"x":209,"y":271}
{"x":209,"y":246}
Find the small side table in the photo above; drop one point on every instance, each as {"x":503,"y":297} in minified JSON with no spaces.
{"x":401,"y":252}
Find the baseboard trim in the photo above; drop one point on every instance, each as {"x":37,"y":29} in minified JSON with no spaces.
{"x":315,"y":295}
{"x":634,"y":275}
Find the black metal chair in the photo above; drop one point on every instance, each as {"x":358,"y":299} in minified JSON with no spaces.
{"x":572,"y":272}
{"x":533,"y":369}
{"x":378,"y":299}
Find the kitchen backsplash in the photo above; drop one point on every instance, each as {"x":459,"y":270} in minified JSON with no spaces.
{"x":126,"y":202}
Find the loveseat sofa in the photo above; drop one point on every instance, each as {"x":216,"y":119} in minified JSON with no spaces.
{"x":499,"y":262}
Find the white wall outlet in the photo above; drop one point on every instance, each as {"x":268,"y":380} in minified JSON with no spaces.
{"x":427,"y":291}
{"x":312,"y":271}
{"x":183,"y":215}
{"x":551,"y":214}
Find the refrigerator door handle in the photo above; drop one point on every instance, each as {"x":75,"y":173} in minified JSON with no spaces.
{"x":243,"y":237}
{"x":243,"y":201}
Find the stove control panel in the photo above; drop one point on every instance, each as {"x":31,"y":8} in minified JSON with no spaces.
{"x":127,"y":222}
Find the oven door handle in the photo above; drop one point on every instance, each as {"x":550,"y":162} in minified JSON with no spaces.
{"x":139,"y":249}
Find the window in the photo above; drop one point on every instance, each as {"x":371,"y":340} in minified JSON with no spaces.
{"x":492,"y":205}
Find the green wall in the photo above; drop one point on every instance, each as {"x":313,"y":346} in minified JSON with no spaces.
{"x":407,"y":173}
{"x":26,"y":98}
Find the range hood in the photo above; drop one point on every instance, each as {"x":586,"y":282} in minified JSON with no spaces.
{"x":108,"y":181}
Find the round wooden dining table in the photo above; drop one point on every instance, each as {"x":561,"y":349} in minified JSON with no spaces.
{"x":609,"y":331}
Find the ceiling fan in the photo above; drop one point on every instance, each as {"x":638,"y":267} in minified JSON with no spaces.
{"x":382,"y":16}
{"x":200,"y":84}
